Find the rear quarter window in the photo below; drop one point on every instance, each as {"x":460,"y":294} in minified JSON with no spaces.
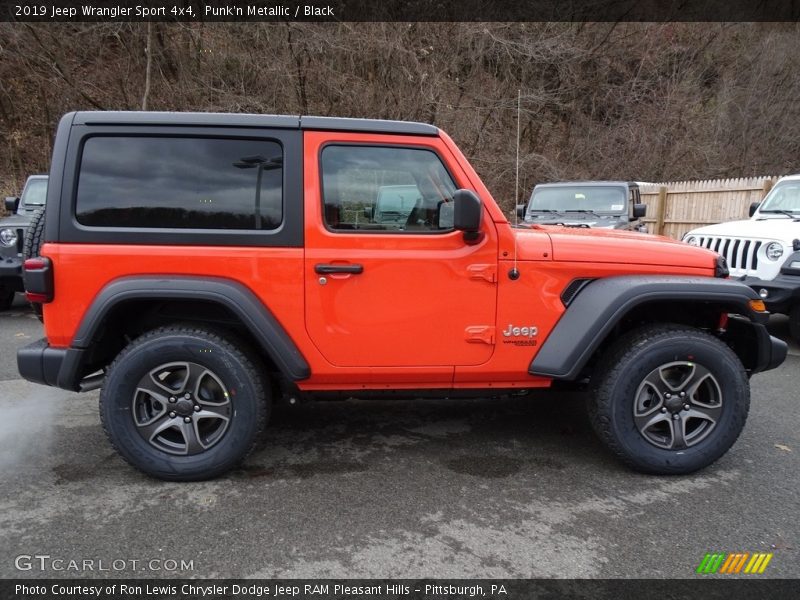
{"x":180,"y":182}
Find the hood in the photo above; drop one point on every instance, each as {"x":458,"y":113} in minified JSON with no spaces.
{"x":594,"y":224}
{"x":15,"y":221}
{"x":763,"y":228}
{"x":579,"y":219}
{"x":572,"y":244}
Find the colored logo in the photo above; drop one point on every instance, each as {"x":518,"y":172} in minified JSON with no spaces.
{"x":734,"y":564}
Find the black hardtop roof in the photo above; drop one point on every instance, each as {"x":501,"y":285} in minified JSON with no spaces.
{"x":587,"y":184}
{"x":210,"y":119}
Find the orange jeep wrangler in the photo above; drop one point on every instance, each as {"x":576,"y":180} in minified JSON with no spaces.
{"x":198,"y":267}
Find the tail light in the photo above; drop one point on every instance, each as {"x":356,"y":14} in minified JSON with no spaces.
{"x":38,"y":276}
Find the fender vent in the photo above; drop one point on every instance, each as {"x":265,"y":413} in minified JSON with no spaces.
{"x":572,"y":289}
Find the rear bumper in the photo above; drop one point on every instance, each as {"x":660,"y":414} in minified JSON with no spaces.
{"x":58,"y":367}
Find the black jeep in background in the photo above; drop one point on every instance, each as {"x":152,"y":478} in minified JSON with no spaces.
{"x":596,"y":204}
{"x":12,"y":236}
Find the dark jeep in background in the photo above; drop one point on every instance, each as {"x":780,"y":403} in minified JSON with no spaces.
{"x":12,"y":236}
{"x":595,"y":204}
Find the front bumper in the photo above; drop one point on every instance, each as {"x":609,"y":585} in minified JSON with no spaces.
{"x":772,"y":353}
{"x":58,"y":367}
{"x":757,"y":349}
{"x":783,"y":292}
{"x":11,"y":273}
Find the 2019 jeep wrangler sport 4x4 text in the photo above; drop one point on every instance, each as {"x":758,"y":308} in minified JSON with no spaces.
{"x":197,"y":267}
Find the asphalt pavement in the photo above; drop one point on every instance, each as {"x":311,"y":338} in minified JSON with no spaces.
{"x":497,"y":488}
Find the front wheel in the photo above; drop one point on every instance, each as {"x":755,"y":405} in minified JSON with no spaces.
{"x":184,"y":403}
{"x":669,"y":399}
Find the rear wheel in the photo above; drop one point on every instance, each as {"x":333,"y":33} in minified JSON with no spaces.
{"x":184,"y":403}
{"x":669,"y":399}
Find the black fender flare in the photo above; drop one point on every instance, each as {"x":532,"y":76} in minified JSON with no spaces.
{"x":240,"y":300}
{"x":602,"y":303}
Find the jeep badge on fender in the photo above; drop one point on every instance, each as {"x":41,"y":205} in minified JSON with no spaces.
{"x":520,"y":331}
{"x":200,"y":241}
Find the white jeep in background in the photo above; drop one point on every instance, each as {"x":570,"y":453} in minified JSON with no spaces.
{"x":764,"y":250}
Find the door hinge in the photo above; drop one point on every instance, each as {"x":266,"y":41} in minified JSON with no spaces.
{"x":480,"y":334}
{"x":485,"y":272}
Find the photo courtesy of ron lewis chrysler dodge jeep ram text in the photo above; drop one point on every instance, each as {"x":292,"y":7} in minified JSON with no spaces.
{"x":197,"y":267}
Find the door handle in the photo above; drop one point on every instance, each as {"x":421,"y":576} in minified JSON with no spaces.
{"x":322,"y":269}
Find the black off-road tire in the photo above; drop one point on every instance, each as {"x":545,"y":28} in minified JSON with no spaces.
{"x":619,"y":386}
{"x":233,"y":368}
{"x":794,"y":322}
{"x":32,"y":247}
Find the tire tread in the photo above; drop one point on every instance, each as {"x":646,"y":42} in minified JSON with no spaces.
{"x":32,"y":246}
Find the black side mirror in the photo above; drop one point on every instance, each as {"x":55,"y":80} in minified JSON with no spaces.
{"x":639,"y":211}
{"x":754,"y":207}
{"x":468,"y":215}
{"x":521,"y":210}
{"x":368,"y":212}
{"x":12,"y":204}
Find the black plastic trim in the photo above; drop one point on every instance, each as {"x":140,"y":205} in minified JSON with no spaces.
{"x":794,"y":257}
{"x":573,"y":288}
{"x":58,"y":194}
{"x":59,"y":367}
{"x":602,"y":303}
{"x":289,"y":234}
{"x":368,"y":125}
{"x":201,"y":119}
{"x":752,"y":341}
{"x":778,"y":350}
{"x":234,"y":296}
{"x":784,"y":291}
{"x":721,"y":267}
{"x":324,"y":269}
{"x":186,"y":119}
{"x":11,"y":268}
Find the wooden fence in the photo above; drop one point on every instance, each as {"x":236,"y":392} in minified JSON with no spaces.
{"x":676,"y":207}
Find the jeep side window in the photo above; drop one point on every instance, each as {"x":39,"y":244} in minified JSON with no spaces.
{"x":379,"y":188}
{"x":183,"y":183}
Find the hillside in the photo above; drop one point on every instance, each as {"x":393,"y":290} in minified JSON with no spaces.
{"x":650,"y":102}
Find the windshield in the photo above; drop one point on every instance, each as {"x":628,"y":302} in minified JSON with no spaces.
{"x":35,"y":193}
{"x":579,"y":198}
{"x":784,"y":197}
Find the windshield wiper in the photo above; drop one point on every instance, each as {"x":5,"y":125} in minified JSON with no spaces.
{"x":584,"y":210}
{"x":544,"y":210}
{"x":788,"y":213}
